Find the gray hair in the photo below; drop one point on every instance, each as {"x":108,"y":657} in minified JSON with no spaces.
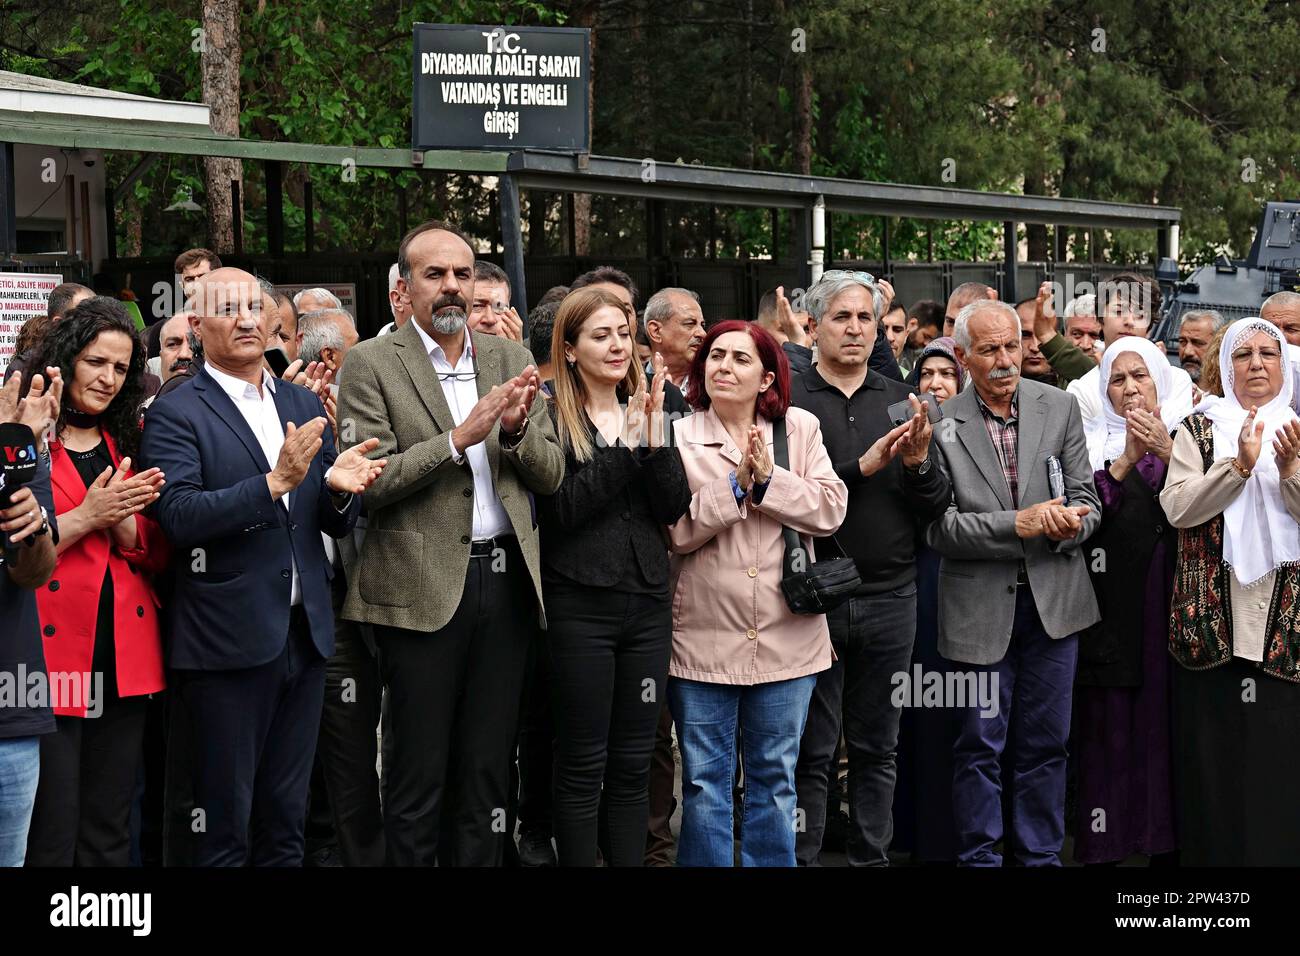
{"x":1281,"y":300}
{"x":660,"y":307}
{"x":325,"y":295}
{"x":834,"y":281}
{"x":1217,"y":321}
{"x":1082,"y":305}
{"x":393,"y":273}
{"x":320,"y":330}
{"x":961,"y":328}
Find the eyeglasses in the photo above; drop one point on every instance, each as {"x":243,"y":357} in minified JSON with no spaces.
{"x":462,"y":376}
{"x":1267,"y":355}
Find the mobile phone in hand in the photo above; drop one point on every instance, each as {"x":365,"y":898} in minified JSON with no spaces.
{"x":900,"y":412}
{"x":278,"y":360}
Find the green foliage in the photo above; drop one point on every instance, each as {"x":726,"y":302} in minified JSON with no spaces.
{"x":1186,"y":105}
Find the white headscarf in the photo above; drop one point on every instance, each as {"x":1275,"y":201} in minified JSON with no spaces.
{"x":1259,"y":533}
{"x":1106,"y":433}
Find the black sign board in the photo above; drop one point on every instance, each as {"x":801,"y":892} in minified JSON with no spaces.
{"x":485,"y":87}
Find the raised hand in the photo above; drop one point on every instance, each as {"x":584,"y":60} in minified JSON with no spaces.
{"x":1045,"y":327}
{"x":785,"y":319}
{"x":760,"y":459}
{"x":511,"y":326}
{"x":655,"y":403}
{"x":487,"y":411}
{"x":916,"y":440}
{"x":883,"y":451}
{"x":1151,"y":432}
{"x":1286,"y":449}
{"x":1250,"y":440}
{"x":40,"y":409}
{"x":296,"y":454}
{"x":524,"y":388}
{"x":352,"y":472}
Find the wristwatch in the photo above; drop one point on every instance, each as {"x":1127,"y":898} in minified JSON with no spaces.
{"x":922,"y":469}
{"x":512,"y":440}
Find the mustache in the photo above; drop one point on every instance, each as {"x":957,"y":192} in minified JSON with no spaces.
{"x":180,"y":363}
{"x":445,"y":300}
{"x":1000,"y":373}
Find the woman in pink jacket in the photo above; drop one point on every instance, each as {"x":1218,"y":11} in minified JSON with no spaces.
{"x":741,"y":659}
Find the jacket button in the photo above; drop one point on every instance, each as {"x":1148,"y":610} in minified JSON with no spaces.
{"x":464,"y":539}
{"x":627,"y":516}
{"x":1011,"y":589}
{"x":1160,"y":529}
{"x":284,"y":572}
{"x":49,"y":630}
{"x":54,"y":585}
{"x":751,"y":634}
{"x":468,"y":492}
{"x":293,"y":526}
{"x":139,"y":610}
{"x":752,"y":572}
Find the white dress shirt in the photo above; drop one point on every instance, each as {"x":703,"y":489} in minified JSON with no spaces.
{"x":263,"y":419}
{"x":490,"y":518}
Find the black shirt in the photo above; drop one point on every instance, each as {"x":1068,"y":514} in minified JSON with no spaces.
{"x":879,"y":531}
{"x":21,"y":652}
{"x":90,"y":465}
{"x":604,"y":526}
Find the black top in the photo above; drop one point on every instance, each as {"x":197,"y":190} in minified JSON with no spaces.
{"x":21,"y":652}
{"x":879,"y":531}
{"x":90,"y":465}
{"x":604,"y":526}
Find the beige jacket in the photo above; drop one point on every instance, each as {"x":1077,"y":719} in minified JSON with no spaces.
{"x":731,"y":624}
{"x":411,"y":571}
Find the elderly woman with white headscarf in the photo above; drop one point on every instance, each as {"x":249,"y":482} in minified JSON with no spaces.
{"x":1233,"y":490}
{"x":1122,"y":735}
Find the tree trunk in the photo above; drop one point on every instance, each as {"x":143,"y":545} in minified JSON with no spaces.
{"x":134,"y":244}
{"x":803,"y":119}
{"x":220,"y":57}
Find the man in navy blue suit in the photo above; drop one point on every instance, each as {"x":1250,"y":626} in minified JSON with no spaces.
{"x":253,"y":481}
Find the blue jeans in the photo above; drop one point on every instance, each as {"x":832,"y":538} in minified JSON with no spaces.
{"x":20,"y":769}
{"x":771,"y":719}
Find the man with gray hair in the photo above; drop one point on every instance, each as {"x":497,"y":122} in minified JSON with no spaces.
{"x":1194,"y":333}
{"x":1283,"y":310}
{"x":1015,"y":590}
{"x":311,"y":300}
{"x":962,"y":296}
{"x":674,"y":323}
{"x":325,"y":336}
{"x":817,"y":299}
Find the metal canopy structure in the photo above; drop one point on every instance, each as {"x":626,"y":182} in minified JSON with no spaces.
{"x":43,"y":112}
{"x":739,"y":187}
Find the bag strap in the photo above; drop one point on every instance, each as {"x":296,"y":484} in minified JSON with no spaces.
{"x":781,"y":457}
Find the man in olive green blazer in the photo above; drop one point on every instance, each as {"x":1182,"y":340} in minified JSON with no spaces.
{"x":449,"y":573}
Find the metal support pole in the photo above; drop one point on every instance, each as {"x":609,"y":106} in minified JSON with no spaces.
{"x":308,"y":218}
{"x":512,"y":240}
{"x":817,"y":252}
{"x":274,"y":208}
{"x":1009,"y":243}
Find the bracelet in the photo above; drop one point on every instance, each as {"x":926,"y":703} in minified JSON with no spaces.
{"x":1241,"y":469}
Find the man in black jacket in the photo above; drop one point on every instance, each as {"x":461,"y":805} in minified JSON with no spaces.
{"x":798,"y":340}
{"x":893,"y":484}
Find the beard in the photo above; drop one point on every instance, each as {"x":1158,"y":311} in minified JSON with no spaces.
{"x":454,"y":317}
{"x":1193,"y":370}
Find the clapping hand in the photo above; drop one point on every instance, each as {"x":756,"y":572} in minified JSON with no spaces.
{"x":523,"y":388}
{"x":296,"y":454}
{"x":39,"y":410}
{"x":915,"y":446}
{"x":1286,"y":449}
{"x":1250,"y":440}
{"x":756,"y":463}
{"x":1045,"y":327}
{"x":785,"y":319}
{"x":1151,"y":434}
{"x":352,"y":472}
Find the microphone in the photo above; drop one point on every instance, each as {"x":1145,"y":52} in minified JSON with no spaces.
{"x":17,"y":459}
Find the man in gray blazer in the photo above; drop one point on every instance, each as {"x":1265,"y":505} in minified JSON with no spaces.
{"x":1013,"y":587}
{"x":449,"y":572}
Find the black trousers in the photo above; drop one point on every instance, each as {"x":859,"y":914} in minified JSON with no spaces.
{"x":609,"y":672}
{"x":453,"y":706}
{"x":89,"y":772}
{"x":536,"y":740}
{"x":252,"y":739}
{"x":348,"y":746}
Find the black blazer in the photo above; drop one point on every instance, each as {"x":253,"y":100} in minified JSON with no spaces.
{"x":612,"y":510}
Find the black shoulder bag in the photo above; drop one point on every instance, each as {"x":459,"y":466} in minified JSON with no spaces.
{"x":810,"y":588}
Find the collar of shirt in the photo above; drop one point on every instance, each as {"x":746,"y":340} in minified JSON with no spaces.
{"x":436,"y":352}
{"x":814,"y":382}
{"x":989,"y":413}
{"x":238,"y":388}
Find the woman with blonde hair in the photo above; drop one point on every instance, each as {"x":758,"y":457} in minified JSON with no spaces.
{"x":605,"y":575}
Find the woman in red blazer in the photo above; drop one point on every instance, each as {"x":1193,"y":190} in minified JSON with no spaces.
{"x":99,"y":615}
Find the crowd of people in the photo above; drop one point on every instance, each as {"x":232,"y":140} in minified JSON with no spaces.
{"x":275,"y":595}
